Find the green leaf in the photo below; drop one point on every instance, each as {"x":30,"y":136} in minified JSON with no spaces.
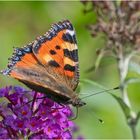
{"x":99,"y":58}
{"x":125,"y":108}
{"x":138,"y":117}
{"x":132,"y":80}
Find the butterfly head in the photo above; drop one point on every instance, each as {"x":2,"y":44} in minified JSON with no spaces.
{"x":77,"y":102}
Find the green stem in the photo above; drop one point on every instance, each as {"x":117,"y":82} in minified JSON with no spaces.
{"x":133,"y":130}
{"x":123,"y":70}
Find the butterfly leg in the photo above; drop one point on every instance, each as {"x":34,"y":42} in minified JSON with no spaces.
{"x":75,"y":117}
{"x":62,"y":106}
{"x":32,"y":101}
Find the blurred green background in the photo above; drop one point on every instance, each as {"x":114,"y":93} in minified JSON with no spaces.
{"x":22,"y":22}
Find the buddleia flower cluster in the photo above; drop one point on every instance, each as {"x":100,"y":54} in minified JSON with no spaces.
{"x":23,"y":116}
{"x":119,"y":21}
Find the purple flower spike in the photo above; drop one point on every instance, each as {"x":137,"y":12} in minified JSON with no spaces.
{"x":39,"y":119}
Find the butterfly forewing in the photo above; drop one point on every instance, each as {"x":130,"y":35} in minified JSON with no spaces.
{"x":57,"y":51}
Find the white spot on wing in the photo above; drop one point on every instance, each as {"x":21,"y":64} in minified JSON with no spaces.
{"x":70,"y":32}
{"x":69,"y":46}
{"x":69,"y":61}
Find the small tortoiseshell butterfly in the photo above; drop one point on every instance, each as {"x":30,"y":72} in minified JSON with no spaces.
{"x":49,"y":64}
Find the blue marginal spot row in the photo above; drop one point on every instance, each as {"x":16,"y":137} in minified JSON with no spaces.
{"x":55,"y":28}
{"x":18,"y":54}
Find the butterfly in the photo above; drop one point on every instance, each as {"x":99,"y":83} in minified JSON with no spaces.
{"x":49,"y":64}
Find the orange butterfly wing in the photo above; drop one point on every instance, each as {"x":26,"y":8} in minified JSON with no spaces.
{"x":57,"y":51}
{"x":37,"y":67}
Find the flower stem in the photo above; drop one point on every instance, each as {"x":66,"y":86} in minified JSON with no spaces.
{"x":133,"y":130}
{"x":123,"y":70}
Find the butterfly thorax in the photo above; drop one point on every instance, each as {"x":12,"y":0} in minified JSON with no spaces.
{"x":76,"y":102}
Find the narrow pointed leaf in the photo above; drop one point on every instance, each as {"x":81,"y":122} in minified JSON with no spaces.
{"x":124,"y":107}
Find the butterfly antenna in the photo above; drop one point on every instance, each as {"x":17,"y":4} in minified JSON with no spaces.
{"x":106,"y":90}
